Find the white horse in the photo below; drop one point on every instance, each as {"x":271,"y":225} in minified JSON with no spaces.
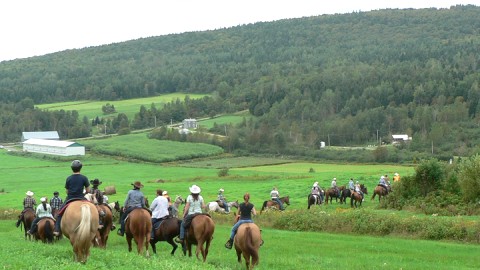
{"x":214,"y":207}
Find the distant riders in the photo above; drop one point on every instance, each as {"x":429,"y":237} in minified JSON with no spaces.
{"x":383,"y":184}
{"x":275,"y":195}
{"x":221,"y":198}
{"x":28,"y":203}
{"x":335,"y":187}
{"x":317,"y":191}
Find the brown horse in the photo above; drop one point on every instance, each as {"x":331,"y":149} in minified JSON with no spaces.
{"x":332,"y":193}
{"x":314,"y":199}
{"x":168,"y":229}
{"x":271,"y":204}
{"x":138,"y":226}
{"x":247,"y":242}
{"x":107,"y":220}
{"x":27,"y":219}
{"x":356,"y":197}
{"x":80,"y":224}
{"x":200,"y":232}
{"x":45,"y":230}
{"x":380,"y":191}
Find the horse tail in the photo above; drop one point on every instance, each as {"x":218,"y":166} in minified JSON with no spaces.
{"x":264,"y":206}
{"x":48,"y":231}
{"x":250,"y":246}
{"x":83,"y":240}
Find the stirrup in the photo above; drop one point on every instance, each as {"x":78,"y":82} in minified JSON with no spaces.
{"x":178,"y":240}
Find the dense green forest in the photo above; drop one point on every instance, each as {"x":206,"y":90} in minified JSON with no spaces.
{"x":346,"y":79}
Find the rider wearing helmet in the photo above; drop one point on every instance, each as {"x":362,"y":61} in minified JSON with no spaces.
{"x":74,"y":185}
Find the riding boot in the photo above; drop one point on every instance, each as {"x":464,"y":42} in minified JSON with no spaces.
{"x":229,"y":243}
{"x":56,"y":231}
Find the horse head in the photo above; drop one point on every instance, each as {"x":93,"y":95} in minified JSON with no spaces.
{"x":287,"y":200}
{"x":235,"y":204}
{"x":179,"y":200}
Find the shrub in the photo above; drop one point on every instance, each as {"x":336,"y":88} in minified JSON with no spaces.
{"x":469,"y":180}
{"x":223,"y":172}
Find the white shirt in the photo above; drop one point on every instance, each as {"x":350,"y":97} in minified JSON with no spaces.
{"x":159,"y":207}
{"x":274,"y":194}
{"x":195,"y":206}
{"x":44,"y":213}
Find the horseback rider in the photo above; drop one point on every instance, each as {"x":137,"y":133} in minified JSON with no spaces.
{"x":194,"y":205}
{"x":317,"y":191}
{"x":75,"y":186}
{"x":396,"y":177}
{"x":95,"y":191}
{"x":43,"y":210}
{"x":383,"y":184}
{"x":56,"y":202}
{"x":351,"y":185}
{"x":135,"y":199}
{"x":275,"y":195}
{"x":358,"y":189}
{"x":223,"y":200}
{"x":335,"y":187}
{"x":244,"y":214}
{"x":159,"y":209}
{"x":28,"y":203}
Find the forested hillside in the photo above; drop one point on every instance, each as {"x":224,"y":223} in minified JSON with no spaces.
{"x":347,"y":79}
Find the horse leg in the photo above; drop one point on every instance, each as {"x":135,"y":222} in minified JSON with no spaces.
{"x":173,"y":244}
{"x":246,"y":256}
{"x":154,"y":247}
{"x":129,"y":241}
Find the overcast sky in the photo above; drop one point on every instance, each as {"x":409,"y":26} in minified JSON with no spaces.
{"x":38,"y":27}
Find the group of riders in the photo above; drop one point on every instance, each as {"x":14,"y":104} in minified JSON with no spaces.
{"x":384,"y":182}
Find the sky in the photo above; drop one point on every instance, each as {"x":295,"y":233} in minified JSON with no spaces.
{"x":37,"y":27}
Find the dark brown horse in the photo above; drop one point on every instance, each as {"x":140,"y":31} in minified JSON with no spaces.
{"x":106,"y":218}
{"x":199,"y":233}
{"x":138,"y":226}
{"x":247,"y":242}
{"x":45,"y":230}
{"x":332,"y":193}
{"x":271,"y":204}
{"x":314,"y":200}
{"x":357,"y":198}
{"x":80,"y":225}
{"x":168,"y":229}
{"x":380,"y":191}
{"x":346,"y":193}
{"x":28,"y":217}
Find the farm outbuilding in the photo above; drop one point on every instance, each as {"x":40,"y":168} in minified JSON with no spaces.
{"x":54,"y":147}
{"x":46,"y":135}
{"x":189,"y":123}
{"x":400,"y":138}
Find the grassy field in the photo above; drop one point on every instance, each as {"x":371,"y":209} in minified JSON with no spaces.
{"x":225,"y":119}
{"x":130,"y":107}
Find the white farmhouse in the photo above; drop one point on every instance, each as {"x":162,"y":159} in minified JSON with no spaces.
{"x":54,"y":147}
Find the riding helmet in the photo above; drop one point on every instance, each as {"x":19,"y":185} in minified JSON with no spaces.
{"x":76,"y":164}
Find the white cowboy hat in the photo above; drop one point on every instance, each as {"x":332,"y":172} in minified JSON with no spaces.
{"x":221,"y":190}
{"x":382,"y":177}
{"x":396,"y":174}
{"x":164,"y":193}
{"x":195,"y":189}
{"x":315,"y":184}
{"x":43,"y":199}
{"x":335,"y":179}
{"x":29,"y":193}
{"x":358,"y":182}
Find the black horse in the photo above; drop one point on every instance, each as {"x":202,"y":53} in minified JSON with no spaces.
{"x":167,"y":231}
{"x":346,"y":193}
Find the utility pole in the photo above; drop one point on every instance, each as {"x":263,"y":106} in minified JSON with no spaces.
{"x":377,"y":138}
{"x":155,"y":120}
{"x":105,"y":125}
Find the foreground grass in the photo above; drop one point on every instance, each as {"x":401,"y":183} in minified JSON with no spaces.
{"x":282,"y":250}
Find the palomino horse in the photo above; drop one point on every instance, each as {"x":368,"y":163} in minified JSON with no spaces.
{"x":107,"y":221}
{"x":314,"y":199}
{"x":332,"y":193}
{"x":80,"y":224}
{"x":215,"y":207}
{"x":138,"y":226}
{"x":356,"y":197}
{"x":199,"y":233}
{"x":380,"y":190}
{"x":167,"y":231}
{"x":247,"y":242}
{"x":173,"y":210}
{"x":271,"y":204}
{"x":27,"y":220}
{"x":45,"y":230}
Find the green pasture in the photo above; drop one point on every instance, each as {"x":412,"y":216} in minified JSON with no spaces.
{"x":282,"y":250}
{"x":225,"y":119}
{"x":130,"y":107}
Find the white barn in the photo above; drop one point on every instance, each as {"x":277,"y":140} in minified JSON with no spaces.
{"x":53,"y":147}
{"x":47,"y":135}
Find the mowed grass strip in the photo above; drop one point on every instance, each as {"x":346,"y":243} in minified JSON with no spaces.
{"x":140,"y":147}
{"x":130,"y":107}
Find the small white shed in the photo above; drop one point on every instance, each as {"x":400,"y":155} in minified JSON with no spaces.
{"x":53,"y":147}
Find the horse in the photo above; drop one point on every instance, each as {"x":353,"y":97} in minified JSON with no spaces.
{"x":173,"y":210}
{"x":45,"y":229}
{"x":106,"y":220}
{"x":380,"y":190}
{"x":356,"y":197}
{"x":215,"y":207}
{"x":28,"y":217}
{"x":114,"y":206}
{"x":138,"y":226}
{"x":80,"y":225}
{"x":332,"y":193}
{"x":247,"y":242}
{"x":167,"y":231}
{"x":199,"y":233}
{"x":271,"y":204}
{"x":346,"y":193}
{"x":314,"y":199}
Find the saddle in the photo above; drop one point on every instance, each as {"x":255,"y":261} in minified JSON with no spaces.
{"x":220,"y":203}
{"x":159,"y":222}
{"x":189,"y":218}
{"x":64,"y":207}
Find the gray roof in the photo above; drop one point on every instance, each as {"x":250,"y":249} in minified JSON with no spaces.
{"x":52,"y":143}
{"x":48,"y":135}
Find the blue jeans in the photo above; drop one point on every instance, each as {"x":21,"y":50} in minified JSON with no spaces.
{"x":235,"y":227}
{"x":279,"y":202}
{"x":225,"y":205}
